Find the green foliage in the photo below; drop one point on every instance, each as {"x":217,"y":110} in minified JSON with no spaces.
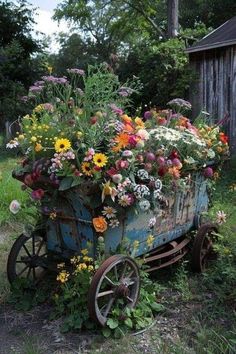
{"x":25,"y":295}
{"x":17,"y":64}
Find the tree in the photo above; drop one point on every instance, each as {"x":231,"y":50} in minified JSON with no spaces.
{"x":173,"y":17}
{"x":17,"y":47}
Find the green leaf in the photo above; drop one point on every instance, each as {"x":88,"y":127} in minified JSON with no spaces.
{"x":106,"y":332}
{"x":129,"y":322}
{"x":118,"y":333}
{"x":157,"y":307}
{"x":112,"y":323}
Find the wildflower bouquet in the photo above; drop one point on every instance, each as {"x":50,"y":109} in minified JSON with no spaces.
{"x":83,"y":138}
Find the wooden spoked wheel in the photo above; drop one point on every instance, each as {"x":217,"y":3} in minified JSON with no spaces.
{"x":203,"y":246}
{"x":27,"y":258}
{"x":115,"y":283}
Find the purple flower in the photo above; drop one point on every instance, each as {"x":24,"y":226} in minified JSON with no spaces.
{"x":48,"y":107}
{"x":39,"y":83}
{"x":147,"y":115}
{"x":116,"y":109}
{"x":24,"y":99}
{"x":55,"y":80}
{"x":208,"y":172}
{"x":35,"y":89}
{"x":125,"y":91}
{"x":76,"y":71}
{"x":62,"y":80}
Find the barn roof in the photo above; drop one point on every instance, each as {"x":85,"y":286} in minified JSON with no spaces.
{"x":222,"y":36}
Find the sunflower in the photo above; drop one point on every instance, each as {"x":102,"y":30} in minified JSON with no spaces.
{"x":100,"y":160}
{"x":86,"y":168}
{"x":62,"y":145}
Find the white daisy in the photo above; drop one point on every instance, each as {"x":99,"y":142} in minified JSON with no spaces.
{"x":12,"y":144}
{"x":109,"y":212}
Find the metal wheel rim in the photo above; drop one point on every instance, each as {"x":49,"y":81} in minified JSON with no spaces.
{"x":125,"y":282}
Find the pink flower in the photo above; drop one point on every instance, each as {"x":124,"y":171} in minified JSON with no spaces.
{"x":121,"y":164}
{"x":89,"y":154}
{"x":143,"y":134}
{"x":125,"y":200}
{"x":37,"y":194}
{"x":133,"y":140}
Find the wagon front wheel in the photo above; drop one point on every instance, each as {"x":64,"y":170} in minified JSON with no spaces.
{"x":115,"y":283}
{"x":27,"y":258}
{"x":203,"y":246}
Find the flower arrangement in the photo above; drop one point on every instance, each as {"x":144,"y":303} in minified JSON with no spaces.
{"x":83,"y":136}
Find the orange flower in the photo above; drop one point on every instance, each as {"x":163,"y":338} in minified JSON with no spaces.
{"x":126,"y":118}
{"x":122,"y":139}
{"x":128,"y":128}
{"x":100,"y":224}
{"x":182,"y":121}
{"x":174,"y":172}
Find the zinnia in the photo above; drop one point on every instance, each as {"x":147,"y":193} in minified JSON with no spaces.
{"x":100,"y":224}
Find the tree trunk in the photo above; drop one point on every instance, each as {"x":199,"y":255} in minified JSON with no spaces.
{"x":173,"y":18}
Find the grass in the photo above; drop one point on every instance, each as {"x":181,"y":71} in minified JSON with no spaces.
{"x":201,"y":307}
{"x":9,"y":190}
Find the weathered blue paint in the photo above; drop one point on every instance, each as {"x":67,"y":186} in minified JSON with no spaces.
{"x":69,"y":236}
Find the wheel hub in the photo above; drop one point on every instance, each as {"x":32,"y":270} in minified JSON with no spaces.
{"x":122,"y":291}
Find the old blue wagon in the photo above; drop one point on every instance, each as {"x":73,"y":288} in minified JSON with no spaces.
{"x":118,"y":276}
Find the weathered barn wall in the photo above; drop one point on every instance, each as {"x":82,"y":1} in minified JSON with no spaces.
{"x":215,"y":87}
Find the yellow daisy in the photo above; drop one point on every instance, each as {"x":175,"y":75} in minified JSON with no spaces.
{"x":62,"y":145}
{"x":86,"y":168}
{"x":100,"y":160}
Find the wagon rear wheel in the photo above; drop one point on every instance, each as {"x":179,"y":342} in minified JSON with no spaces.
{"x":203,"y":246}
{"x":27,"y":258}
{"x":115,"y":283}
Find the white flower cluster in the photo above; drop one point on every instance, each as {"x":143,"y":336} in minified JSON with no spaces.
{"x":167,"y":134}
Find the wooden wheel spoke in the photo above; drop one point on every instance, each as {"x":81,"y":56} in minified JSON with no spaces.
{"x":130,"y":273}
{"x":116,"y":273}
{"x":28,"y":274}
{"x":40,"y":247}
{"x":129,"y":298}
{"x":105,"y":293}
{"x":33,"y":245}
{"x":109,"y":305}
{"x":109,"y":280}
{"x":23,"y":270}
{"x":123,"y":271}
{"x":27,"y":251}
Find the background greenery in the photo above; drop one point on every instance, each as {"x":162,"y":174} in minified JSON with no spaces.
{"x":130,"y":35}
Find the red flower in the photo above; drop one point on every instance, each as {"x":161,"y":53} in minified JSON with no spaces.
{"x":112,"y":172}
{"x":223,"y":138}
{"x":37,"y":194}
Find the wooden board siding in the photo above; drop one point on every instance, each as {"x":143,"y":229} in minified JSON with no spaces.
{"x":215,"y":87}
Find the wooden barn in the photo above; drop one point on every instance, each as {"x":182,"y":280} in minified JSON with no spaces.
{"x":213,"y":59}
